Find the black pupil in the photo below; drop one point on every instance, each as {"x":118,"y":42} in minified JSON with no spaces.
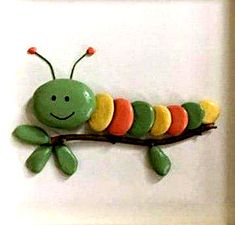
{"x":66,"y":98}
{"x":53,"y":97}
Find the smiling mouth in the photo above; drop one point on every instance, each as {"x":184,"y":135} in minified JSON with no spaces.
{"x":62,"y":118}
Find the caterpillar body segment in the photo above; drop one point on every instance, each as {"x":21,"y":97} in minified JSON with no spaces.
{"x":123,"y":117}
{"x":144,"y":117}
{"x":195,"y":114}
{"x":162,"y":120}
{"x":179,"y":120}
{"x":103,"y":114}
{"x":212,"y":111}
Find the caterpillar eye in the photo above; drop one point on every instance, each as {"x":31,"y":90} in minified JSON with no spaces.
{"x":66,"y":98}
{"x":53,"y":97}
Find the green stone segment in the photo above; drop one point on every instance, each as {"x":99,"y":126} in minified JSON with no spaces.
{"x":159,"y":161}
{"x":38,"y":159}
{"x":67,"y":160}
{"x":195,"y":114}
{"x":143,"y":118}
{"x":63,"y":103}
{"x":31,"y":134}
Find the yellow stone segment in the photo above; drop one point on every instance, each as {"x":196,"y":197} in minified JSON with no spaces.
{"x":212,"y":111}
{"x":103,"y":114}
{"x":162,"y":120}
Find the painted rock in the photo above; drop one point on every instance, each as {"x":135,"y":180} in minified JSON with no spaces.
{"x":31,"y":135}
{"x":63,"y":103}
{"x":103,"y":113}
{"x":143,"y":118}
{"x":159,"y":161}
{"x":122,"y":118}
{"x":162,"y":120}
{"x":212,"y":111}
{"x":195,"y":114}
{"x":66,"y":159}
{"x":179,"y":118}
{"x":38,"y":159}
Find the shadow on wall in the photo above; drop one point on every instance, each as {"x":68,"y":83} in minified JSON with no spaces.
{"x":231,"y":119}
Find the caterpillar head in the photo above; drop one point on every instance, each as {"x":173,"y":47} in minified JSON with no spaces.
{"x":63,"y":103}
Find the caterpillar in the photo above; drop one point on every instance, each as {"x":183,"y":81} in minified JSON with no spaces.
{"x":68,"y":104}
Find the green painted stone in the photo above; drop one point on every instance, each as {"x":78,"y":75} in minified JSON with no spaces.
{"x":66,"y":159}
{"x":38,"y":159}
{"x":63,"y":103}
{"x":143,"y":118}
{"x":31,"y":135}
{"x":159,"y":161}
{"x":195,"y":114}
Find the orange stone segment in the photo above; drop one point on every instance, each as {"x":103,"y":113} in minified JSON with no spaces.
{"x":122,"y":118}
{"x":179,"y":118}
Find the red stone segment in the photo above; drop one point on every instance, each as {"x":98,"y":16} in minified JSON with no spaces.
{"x":179,"y":118}
{"x":122,"y":118}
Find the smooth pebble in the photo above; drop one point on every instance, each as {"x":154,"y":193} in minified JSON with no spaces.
{"x":143,"y":118}
{"x":162,"y":120}
{"x":122,"y":118}
{"x":103,"y":114}
{"x":179,"y":118}
{"x":212,"y":111}
{"x":195,"y":114}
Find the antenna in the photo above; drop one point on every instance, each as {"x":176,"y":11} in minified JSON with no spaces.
{"x":89,"y":52}
{"x":33,"y":51}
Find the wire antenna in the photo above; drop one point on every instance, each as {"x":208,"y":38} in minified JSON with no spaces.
{"x":89,"y":52}
{"x":33,"y":51}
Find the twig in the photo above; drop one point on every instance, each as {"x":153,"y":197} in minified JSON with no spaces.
{"x":130,"y":140}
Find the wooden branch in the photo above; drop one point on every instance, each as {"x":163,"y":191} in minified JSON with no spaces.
{"x":130,"y":140}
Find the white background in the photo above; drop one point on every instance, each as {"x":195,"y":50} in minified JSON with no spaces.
{"x":162,"y":52}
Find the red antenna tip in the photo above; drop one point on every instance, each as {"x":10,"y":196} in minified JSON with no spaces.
{"x":90,"y":51}
{"x":32,"y":50}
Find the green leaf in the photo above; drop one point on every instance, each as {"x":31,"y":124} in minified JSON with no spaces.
{"x":31,"y":134}
{"x":66,"y":159}
{"x":159,"y":161}
{"x":38,"y":159}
